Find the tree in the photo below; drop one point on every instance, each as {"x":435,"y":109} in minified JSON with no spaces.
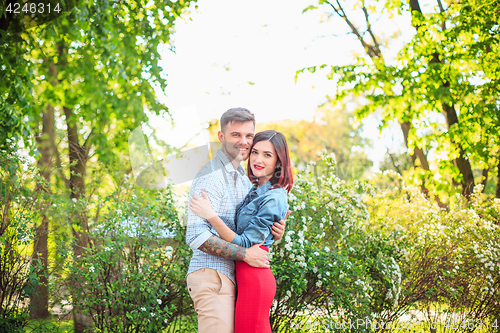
{"x":331,"y":130}
{"x":439,"y":87}
{"x":94,"y":73}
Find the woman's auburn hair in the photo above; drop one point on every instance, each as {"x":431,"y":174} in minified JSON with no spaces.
{"x":282,"y":177}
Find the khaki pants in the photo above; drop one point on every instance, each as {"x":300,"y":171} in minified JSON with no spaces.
{"x":214,"y":298}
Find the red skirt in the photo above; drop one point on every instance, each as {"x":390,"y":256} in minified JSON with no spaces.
{"x":256,"y":290}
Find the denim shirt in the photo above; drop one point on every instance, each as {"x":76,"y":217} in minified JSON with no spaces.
{"x":256,"y":214}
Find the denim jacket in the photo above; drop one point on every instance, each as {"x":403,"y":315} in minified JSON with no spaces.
{"x":256,"y":214}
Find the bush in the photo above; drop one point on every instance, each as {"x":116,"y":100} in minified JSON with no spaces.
{"x":18,"y":273}
{"x":131,"y":278}
{"x":329,"y":268}
{"x":451,"y":262}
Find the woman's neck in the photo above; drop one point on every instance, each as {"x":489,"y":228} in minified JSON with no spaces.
{"x":261,"y":181}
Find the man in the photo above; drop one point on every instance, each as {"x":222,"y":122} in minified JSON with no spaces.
{"x":211,"y":275}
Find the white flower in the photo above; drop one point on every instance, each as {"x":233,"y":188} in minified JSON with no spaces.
{"x":91,"y":269}
{"x":107,"y":249}
{"x":143,"y":308}
{"x":119,"y":211}
{"x":152,"y":314}
{"x":159,"y":301}
{"x":316,"y":253}
{"x":327,"y":249}
{"x":315,"y":270}
{"x":74,"y":199}
{"x":313,"y":208}
{"x":319,"y":283}
{"x":134,"y":196}
{"x":287,"y":238}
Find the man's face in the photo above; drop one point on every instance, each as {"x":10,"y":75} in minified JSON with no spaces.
{"x":237,"y":139}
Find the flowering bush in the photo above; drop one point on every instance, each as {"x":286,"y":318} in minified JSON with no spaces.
{"x":131,"y":278}
{"x":328,"y":265}
{"x":451,"y":260}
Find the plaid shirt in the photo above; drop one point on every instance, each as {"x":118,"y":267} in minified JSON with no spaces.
{"x":226,"y":187}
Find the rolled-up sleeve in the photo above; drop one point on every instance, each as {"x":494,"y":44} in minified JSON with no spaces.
{"x":198,"y":229}
{"x":270,"y":211}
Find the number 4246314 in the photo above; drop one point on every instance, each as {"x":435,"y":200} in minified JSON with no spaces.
{"x":32,"y":8}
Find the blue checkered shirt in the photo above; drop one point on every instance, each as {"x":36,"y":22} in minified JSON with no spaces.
{"x":226,"y":187}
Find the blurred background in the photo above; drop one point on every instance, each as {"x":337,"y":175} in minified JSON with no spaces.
{"x":98,"y":97}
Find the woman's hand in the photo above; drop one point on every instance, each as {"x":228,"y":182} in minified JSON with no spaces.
{"x":202,"y":206}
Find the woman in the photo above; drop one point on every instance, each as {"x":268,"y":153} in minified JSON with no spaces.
{"x":269,"y":170}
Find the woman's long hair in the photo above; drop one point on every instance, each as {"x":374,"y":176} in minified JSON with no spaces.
{"x":282,"y":176}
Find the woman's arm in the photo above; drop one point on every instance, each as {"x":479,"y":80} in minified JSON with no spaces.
{"x":203,"y":208}
{"x":271,"y":208}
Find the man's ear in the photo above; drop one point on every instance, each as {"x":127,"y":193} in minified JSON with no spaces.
{"x":221,"y":136}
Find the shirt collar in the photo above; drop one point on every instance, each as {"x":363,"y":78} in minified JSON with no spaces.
{"x":227,"y":163}
{"x":263,"y":189}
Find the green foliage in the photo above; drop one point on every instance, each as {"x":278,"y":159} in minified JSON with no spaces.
{"x":132,"y":276}
{"x":328,"y":264}
{"x":451,"y":257}
{"x":18,"y":273}
{"x":15,"y":88}
{"x":443,"y":83}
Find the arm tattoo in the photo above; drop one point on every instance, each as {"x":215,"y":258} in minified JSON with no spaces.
{"x":220,"y":248}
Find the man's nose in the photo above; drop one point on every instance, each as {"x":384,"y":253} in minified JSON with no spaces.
{"x":244,"y":141}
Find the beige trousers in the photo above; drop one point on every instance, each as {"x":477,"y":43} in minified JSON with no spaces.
{"x":214,"y":297}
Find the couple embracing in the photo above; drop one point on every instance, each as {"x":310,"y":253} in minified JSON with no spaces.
{"x":233,"y":219}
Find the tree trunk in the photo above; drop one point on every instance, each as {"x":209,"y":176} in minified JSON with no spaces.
{"x":484,"y":175}
{"x":39,"y":303}
{"x":417,"y":151}
{"x":78,"y":161}
{"x":462,"y":163}
{"x":497,"y":194}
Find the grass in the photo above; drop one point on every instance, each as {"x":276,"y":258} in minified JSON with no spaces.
{"x":56,"y":325}
{"x":52,"y":324}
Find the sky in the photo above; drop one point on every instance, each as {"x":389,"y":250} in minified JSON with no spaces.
{"x":231,"y":53}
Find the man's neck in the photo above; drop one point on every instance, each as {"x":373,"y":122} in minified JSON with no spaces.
{"x":234,"y":162}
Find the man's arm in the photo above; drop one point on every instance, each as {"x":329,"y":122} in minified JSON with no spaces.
{"x":254,"y":256}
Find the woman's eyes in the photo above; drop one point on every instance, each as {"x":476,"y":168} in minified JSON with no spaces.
{"x":255,"y":152}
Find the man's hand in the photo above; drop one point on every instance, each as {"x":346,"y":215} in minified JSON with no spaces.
{"x":256,"y":257}
{"x":279,"y":228}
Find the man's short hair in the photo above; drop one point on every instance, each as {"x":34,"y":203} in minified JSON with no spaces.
{"x":241,"y":115}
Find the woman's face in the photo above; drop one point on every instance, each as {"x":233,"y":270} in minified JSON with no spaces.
{"x":263,"y":160}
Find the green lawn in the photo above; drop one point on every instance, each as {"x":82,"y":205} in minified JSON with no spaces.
{"x":53,"y":324}
{"x":56,"y":325}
